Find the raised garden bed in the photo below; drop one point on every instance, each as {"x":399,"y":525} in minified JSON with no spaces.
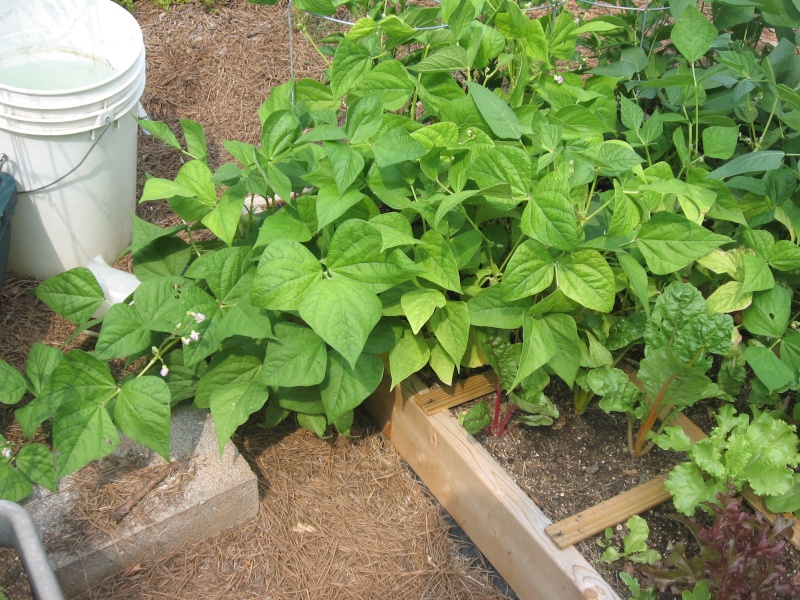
{"x":535,"y":555}
{"x":498,"y":516}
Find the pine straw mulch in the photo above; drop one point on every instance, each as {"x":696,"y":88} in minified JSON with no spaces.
{"x":216,"y":68}
{"x":114,"y":492}
{"x":338,"y":518}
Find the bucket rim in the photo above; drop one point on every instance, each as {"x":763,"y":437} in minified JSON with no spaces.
{"x":132,"y":28}
{"x":124,"y":78}
{"x":117,"y":74}
{"x":53,"y":128}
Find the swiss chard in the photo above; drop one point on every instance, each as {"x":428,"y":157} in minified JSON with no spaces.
{"x":680,"y":336}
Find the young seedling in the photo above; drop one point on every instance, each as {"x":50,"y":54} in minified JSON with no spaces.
{"x":634,"y":544}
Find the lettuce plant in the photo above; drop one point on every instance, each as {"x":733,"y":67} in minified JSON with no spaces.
{"x":634,"y":544}
{"x":740,"y":556}
{"x":761,"y":453}
{"x":788,"y":501}
{"x":635,"y":588}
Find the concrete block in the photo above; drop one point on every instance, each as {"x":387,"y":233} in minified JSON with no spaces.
{"x":215,"y":493}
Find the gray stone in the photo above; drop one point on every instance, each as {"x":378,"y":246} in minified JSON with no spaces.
{"x":213,"y":493}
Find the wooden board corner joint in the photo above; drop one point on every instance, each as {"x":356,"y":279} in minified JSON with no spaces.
{"x":433,"y":400}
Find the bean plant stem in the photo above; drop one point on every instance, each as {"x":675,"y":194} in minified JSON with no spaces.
{"x":413,"y":108}
{"x":510,"y":253}
{"x":490,"y":18}
{"x":597,"y":212}
{"x":646,"y":149}
{"x":696,"y":117}
{"x":760,"y":141}
{"x":488,"y":245}
{"x":192,"y":243}
{"x":301,"y":26}
{"x":157,"y":356}
{"x":591,"y":193}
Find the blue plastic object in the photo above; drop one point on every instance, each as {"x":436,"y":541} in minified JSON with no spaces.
{"x":18,"y":531}
{"x":8,"y":204}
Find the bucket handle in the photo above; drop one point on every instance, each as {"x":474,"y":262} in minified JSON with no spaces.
{"x":108,"y":122}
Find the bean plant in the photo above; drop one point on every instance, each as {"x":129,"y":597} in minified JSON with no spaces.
{"x":452,"y":197}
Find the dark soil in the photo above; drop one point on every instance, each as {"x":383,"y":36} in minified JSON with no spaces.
{"x":583,"y":460}
{"x":16,"y":585}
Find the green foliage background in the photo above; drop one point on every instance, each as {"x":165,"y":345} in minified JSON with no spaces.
{"x":461,"y":196}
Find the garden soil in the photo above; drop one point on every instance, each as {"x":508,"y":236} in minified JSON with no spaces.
{"x":338,"y":518}
{"x":581,"y":461}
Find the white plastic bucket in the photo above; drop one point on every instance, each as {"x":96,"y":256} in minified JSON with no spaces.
{"x":71,"y":73}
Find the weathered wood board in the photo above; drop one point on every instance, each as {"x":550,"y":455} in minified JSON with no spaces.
{"x":615,"y":510}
